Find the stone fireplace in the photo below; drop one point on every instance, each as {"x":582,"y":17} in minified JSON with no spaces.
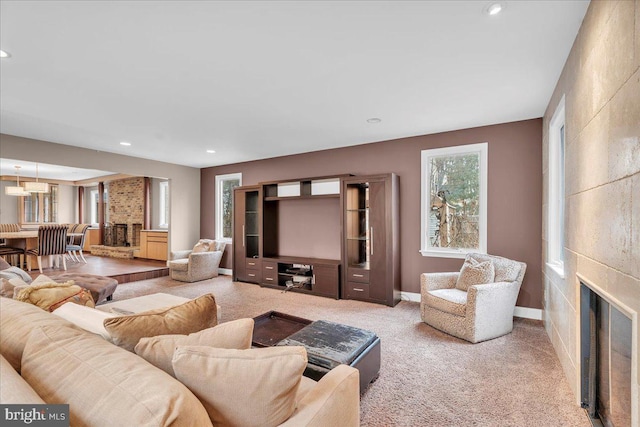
{"x":607,"y":353}
{"x":126,"y":212}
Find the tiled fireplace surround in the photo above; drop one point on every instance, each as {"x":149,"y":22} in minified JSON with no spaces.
{"x":601,"y":86}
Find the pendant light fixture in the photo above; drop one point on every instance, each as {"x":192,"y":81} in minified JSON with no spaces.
{"x":36,"y":187}
{"x":16,"y":190}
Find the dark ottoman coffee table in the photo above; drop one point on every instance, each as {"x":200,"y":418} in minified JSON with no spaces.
{"x":101,"y":287}
{"x":328,"y":344}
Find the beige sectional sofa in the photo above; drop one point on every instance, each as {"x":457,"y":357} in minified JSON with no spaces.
{"x":46,"y":359}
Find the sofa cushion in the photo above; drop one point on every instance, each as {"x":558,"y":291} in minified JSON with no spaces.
{"x":15,"y":390}
{"x":49,"y":296}
{"x":103,"y":384}
{"x":181,"y":264}
{"x":453,"y":301}
{"x":192,"y":316}
{"x":159,"y":350}
{"x":255,"y":387}
{"x":17,"y":319}
{"x":475,"y":273}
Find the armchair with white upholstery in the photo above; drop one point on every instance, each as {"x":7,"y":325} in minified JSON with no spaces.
{"x":199,"y":263}
{"x":479,"y":313}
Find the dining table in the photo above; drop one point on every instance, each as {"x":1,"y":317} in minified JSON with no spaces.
{"x":27,"y":239}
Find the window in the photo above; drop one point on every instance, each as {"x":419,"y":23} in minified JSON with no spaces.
{"x":224,"y":204}
{"x":40,"y":208}
{"x":555,"y":195}
{"x":94,"y":207}
{"x":164,"y":204}
{"x":454,"y":201}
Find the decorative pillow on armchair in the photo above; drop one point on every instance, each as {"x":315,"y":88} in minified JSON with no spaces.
{"x":203,"y":245}
{"x":475,"y":273}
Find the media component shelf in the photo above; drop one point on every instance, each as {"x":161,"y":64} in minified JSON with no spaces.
{"x":343,"y":231}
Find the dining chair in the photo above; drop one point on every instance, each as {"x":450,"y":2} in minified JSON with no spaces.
{"x":52,"y":240}
{"x":76,"y":242}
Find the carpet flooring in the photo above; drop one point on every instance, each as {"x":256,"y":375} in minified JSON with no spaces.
{"x":427,"y":378}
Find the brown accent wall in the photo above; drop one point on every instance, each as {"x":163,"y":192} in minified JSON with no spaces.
{"x":601,"y":86}
{"x":515,"y":192}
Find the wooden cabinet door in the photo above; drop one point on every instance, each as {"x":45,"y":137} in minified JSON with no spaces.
{"x":378,"y":241}
{"x":239,"y":207}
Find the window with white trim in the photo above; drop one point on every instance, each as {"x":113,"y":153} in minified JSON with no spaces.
{"x":224,"y":204}
{"x":555,"y":194}
{"x":454,"y":201}
{"x":163,"y":205}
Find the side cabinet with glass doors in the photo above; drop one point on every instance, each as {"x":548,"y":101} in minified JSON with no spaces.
{"x":247,"y":216}
{"x":371,"y":239}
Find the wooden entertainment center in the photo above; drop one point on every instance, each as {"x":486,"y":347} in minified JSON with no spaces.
{"x":332,"y":236}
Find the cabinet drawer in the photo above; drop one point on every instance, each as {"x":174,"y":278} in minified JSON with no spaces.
{"x":357,"y":290}
{"x":253,"y":276}
{"x":269,"y":267}
{"x":270,"y":278}
{"x":252,"y":264}
{"x":357,"y":275}
{"x":270,"y":273}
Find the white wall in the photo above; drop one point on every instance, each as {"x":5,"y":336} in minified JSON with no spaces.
{"x":8,"y":205}
{"x":67,"y":204}
{"x":184,"y":181}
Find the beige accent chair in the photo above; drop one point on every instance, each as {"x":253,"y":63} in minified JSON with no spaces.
{"x":482,"y":312}
{"x":199,"y":263}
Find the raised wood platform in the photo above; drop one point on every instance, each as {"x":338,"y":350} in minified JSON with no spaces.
{"x":123,"y":270}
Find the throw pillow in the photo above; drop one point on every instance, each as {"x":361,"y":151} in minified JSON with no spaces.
{"x":192,"y":316}
{"x":15,"y":272}
{"x":4,"y":264}
{"x":159,"y":350}
{"x":49,"y":296}
{"x":262,"y":382}
{"x":203,"y":245}
{"x":475,"y":273}
{"x":6,"y":288}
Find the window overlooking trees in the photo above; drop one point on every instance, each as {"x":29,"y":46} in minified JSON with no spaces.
{"x":454,"y":188}
{"x":224,"y":204}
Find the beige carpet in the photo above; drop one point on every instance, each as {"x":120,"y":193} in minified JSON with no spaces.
{"x":427,"y":378}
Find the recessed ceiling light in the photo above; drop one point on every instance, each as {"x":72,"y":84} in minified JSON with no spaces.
{"x":126,"y":144}
{"x":494,"y":8}
{"x":374,"y":120}
{"x":4,"y":54}
{"x":211,"y":151}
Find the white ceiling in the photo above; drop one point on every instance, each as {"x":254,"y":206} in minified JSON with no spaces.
{"x":259,"y":79}
{"x":46,"y":171}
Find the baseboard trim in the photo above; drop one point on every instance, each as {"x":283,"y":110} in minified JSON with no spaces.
{"x":523,"y":312}
{"x":410,"y":296}
{"x":225,"y":271}
{"x":528,"y":313}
